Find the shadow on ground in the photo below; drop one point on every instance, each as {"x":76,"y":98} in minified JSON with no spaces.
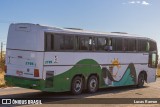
{"x":51,"y":97}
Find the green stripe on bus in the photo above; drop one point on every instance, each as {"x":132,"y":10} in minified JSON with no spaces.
{"x":62,"y":82}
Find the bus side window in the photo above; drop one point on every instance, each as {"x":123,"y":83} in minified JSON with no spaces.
{"x":57,"y":41}
{"x":108,"y":44}
{"x":90,"y":43}
{"x":61,"y":40}
{"x":77,"y":44}
{"x":101,"y":42}
{"x":94,"y":43}
{"x":131,"y":44}
{"x":153,"y":46}
{"x":148,"y":46}
{"x":69,"y":42}
{"x":84,"y":43}
{"x":118,"y":44}
{"x":49,"y":42}
{"x":125,"y":45}
{"x":142,"y":44}
{"x":112,"y":42}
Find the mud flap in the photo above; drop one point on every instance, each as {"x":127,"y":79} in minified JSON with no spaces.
{"x":49,"y":79}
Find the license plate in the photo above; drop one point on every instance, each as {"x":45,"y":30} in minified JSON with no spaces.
{"x":19,"y":73}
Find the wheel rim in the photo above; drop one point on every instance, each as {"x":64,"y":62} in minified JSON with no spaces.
{"x":93,"y":84}
{"x":78,"y":85}
{"x":142,"y":80}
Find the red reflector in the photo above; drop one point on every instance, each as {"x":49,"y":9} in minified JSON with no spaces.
{"x":36,"y":72}
{"x":5,"y":68}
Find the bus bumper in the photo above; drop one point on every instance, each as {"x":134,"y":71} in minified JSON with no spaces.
{"x":24,"y":82}
{"x":37,"y":84}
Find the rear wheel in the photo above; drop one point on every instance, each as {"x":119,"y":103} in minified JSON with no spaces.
{"x":92,"y":85}
{"x":77,"y":85}
{"x":141,"y":80}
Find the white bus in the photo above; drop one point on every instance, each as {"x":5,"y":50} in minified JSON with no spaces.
{"x":69,"y":59}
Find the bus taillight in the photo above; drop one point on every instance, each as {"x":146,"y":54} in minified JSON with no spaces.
{"x":5,"y":68}
{"x":36,"y":72}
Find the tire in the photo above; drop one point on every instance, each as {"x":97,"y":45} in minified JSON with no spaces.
{"x":92,"y":85}
{"x":77,"y":85}
{"x":141,"y":80}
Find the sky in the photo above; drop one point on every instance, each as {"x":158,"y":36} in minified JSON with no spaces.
{"x":140,"y":17}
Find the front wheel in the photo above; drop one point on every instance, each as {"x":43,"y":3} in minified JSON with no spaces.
{"x":77,"y":85}
{"x":141,"y":80}
{"x":92,"y":85}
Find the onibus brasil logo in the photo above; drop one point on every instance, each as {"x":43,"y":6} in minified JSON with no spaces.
{"x":20,"y":101}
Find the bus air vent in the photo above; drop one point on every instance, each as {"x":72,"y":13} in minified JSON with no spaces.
{"x":120,"y":32}
{"x":23,"y":27}
{"x":74,"y":28}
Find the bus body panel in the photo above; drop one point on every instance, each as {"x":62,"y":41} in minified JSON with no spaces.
{"x":69,"y":64}
{"x":22,"y":63}
{"x":26,"y":53}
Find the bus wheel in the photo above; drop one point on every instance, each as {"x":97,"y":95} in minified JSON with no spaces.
{"x":77,"y":85}
{"x":92,"y":85}
{"x":141,"y":80}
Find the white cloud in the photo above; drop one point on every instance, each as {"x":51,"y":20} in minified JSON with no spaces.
{"x":145,"y":3}
{"x":138,"y":2}
{"x":132,"y":2}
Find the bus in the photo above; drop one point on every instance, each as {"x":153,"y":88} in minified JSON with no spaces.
{"x":53,"y":59}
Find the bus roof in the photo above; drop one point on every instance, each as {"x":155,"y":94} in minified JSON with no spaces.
{"x":79,"y":31}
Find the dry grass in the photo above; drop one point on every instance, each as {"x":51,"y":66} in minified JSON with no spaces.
{"x":158,"y":72}
{"x":2,"y":82}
